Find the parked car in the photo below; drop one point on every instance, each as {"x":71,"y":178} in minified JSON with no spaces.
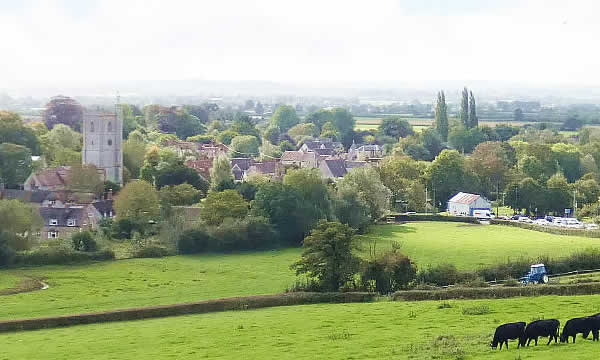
{"x":516,"y":217}
{"x":503,"y":218}
{"x":573,"y":223}
{"x":525,"y":219}
{"x":542,"y":222}
{"x":483,"y":214}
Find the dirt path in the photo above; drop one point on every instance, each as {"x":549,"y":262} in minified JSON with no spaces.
{"x":26,"y":285}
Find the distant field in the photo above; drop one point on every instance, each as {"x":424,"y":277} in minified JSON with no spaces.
{"x":380,"y":330}
{"x":367,"y":123}
{"x":175,"y":279}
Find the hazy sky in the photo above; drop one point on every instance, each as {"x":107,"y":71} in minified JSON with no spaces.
{"x":308,"y":41}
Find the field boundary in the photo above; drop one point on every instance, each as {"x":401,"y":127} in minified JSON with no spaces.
{"x":497,"y":292}
{"x":547,"y":229}
{"x":201,"y":307}
{"x":432,"y":217}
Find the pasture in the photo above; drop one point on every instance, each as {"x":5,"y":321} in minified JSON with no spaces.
{"x":460,"y":329}
{"x":176,"y":279}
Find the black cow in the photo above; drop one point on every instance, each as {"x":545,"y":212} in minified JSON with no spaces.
{"x":541,"y":328}
{"x":586,"y":334}
{"x":582,"y":325}
{"x":507,"y":332}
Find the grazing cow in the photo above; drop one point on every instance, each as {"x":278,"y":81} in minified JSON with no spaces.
{"x":541,"y":328}
{"x":507,"y":332}
{"x":587,"y":333}
{"x":582,"y":325}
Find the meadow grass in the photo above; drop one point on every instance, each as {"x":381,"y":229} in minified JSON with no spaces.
{"x":8,"y":281}
{"x":456,"y":329}
{"x":469,"y":246}
{"x":176,"y":279}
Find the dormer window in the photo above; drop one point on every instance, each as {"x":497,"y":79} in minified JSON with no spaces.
{"x":71,"y":222}
{"x":53,"y":222}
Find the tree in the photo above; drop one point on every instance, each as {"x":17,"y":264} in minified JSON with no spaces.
{"x":225,"y":137}
{"x":398,"y":173}
{"x":318,"y":118}
{"x":587,"y":191}
{"x":259,"y":108}
{"x":8,"y":118}
{"x":134,"y":152}
{"x":568,"y":158}
{"x":60,"y":143}
{"x":328,"y":256}
{"x":243,"y":125}
{"x":464,"y":139}
{"x":221,"y":177}
{"x":329,"y":131}
{"x":390,"y":271}
{"x":446,"y":175}
{"x":139,"y":203}
{"x":518,"y":115}
{"x":441,"y":116}
{"x":15,"y":164}
{"x":198,"y":111}
{"x":527,"y":194}
{"x":395,"y":127}
{"x":473,"y":121}
{"x":177,"y":174}
{"x":244,"y":146}
{"x":86,"y":179}
{"x":303,"y":130}
{"x":433,"y":142}
{"x":84,"y":241}
{"x":344,"y":122}
{"x":12,"y":130}
{"x":464,"y":109}
{"x":285,"y":209}
{"x":18,"y":222}
{"x":310,"y":185}
{"x":272,"y":135}
{"x":179,"y":195}
{"x":490,"y":162}
{"x":573,"y":123}
{"x":370,"y":189}
{"x":559,"y":195}
{"x":505,"y":132}
{"x":225,"y":204}
{"x":63,"y":110}
{"x":350,"y":209}
{"x":285,"y":117}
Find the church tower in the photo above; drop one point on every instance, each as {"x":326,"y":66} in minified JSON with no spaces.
{"x":102,"y":142}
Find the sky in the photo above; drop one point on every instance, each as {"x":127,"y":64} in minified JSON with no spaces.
{"x":306,"y":42}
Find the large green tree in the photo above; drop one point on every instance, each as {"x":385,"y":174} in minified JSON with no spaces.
{"x":441,"y":116}
{"x":15,"y":164}
{"x":225,"y":204}
{"x":464,"y":109}
{"x":446,"y":175}
{"x":285,"y":117}
{"x":473,"y":120}
{"x":138,"y":202}
{"x":245,"y":146}
{"x":396,"y":127}
{"x":221,"y":177}
{"x":371,"y":190}
{"x":328,"y":256}
{"x":310,"y":185}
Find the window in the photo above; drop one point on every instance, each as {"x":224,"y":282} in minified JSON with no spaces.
{"x":109,"y":142}
{"x":92,"y":126}
{"x":71,"y":222}
{"x":52,"y":234}
{"x":109,"y":127}
{"x":53,"y":222}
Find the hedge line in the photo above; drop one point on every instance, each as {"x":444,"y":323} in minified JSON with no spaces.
{"x":498,"y":292}
{"x":433,"y":217}
{"x":549,"y":229}
{"x":237,"y":303}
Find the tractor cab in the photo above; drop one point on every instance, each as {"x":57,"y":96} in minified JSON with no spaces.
{"x":537,"y":275}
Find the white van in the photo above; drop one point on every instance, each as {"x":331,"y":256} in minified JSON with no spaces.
{"x":483,"y":214}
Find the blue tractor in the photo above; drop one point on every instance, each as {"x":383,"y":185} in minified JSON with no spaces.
{"x":537,"y":275}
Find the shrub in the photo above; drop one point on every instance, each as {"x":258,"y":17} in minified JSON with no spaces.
{"x":84,"y":241}
{"x":61,"y":255}
{"x":151,"y":251}
{"x":441,"y":275}
{"x":390,"y":272}
{"x":476,"y":310}
{"x":194,"y":241}
{"x":7,"y":254}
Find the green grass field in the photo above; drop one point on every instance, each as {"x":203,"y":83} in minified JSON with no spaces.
{"x":469,"y":246}
{"x":176,"y":279}
{"x":380,"y":330}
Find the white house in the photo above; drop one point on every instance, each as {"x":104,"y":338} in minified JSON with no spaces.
{"x":464,"y":204}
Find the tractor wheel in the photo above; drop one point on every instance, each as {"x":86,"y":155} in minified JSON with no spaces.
{"x":545,"y":279}
{"x":534,"y":282}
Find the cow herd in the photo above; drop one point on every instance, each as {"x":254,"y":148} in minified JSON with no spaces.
{"x":546,"y":328}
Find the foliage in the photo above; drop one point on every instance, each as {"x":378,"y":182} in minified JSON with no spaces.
{"x":194,"y":241}
{"x":272,"y":135}
{"x":225,"y":137}
{"x":285,"y":118}
{"x":390,"y":271}
{"x":244,"y":146}
{"x":221,"y":177}
{"x":441,"y":275}
{"x":220,"y":205}
{"x":138,"y":202}
{"x":86,"y":178}
{"x":60,"y":255}
{"x":250,"y":233}
{"x":63,"y":110}
{"x":464,"y":109}
{"x":84,"y":241}
{"x":134,"y":152}
{"x":285,"y":208}
{"x":327,"y":255}
{"x":370,"y":189}
{"x":473,"y":121}
{"x":151,"y":251}
{"x":465,"y":139}
{"x":15,"y":164}
{"x":351,"y":210}
{"x":400,"y":174}
{"x":202,"y":138}
{"x":446,"y":174}
{"x":7,"y":254}
{"x":395,"y":127}
{"x":303,"y":130}
{"x":179,"y":195}
{"x":178,"y":174}
{"x":17,"y":218}
{"x":181,"y":123}
{"x":310,"y":185}
{"x":441,"y":116}
{"x":12,"y":130}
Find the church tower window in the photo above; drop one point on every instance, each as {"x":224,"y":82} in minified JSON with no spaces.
{"x":92,"y":126}
{"x":109,"y":128}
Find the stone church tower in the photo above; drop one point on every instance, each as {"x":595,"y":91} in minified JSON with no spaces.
{"x":102,"y":140}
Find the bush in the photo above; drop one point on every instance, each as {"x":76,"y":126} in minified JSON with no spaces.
{"x":389,"y":272}
{"x":194,"y":241}
{"x":151,"y":251}
{"x":61,"y":255}
{"x":442,"y":275}
{"x":84,"y":241}
{"x":7,"y":254}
